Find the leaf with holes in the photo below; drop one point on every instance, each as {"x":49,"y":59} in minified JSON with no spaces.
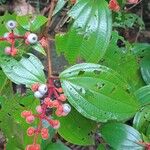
{"x":26,"y":71}
{"x":121,"y":137}
{"x":90,"y":33}
{"x":124,"y":60}
{"x":145,"y":69}
{"x":77,"y":129}
{"x":141,"y":49}
{"x":98,"y":92}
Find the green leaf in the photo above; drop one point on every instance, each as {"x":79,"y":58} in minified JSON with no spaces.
{"x":24,"y":21}
{"x":145,"y":69}
{"x":101,"y":147}
{"x":6,"y":90}
{"x":98,"y":92}
{"x":12,"y":124}
{"x":141,"y":49}
{"x":142,"y":121}
{"x":3,"y":79}
{"x":143,"y":95}
{"x":60,"y":4}
{"x":57,"y":146}
{"x":38,"y":47}
{"x":77,"y":129}
{"x":29,"y":23}
{"x":38,"y":22}
{"x":123,"y":61}
{"x":52,"y":132}
{"x":89,"y":35}
{"x":26,"y":71}
{"x":121,"y":137}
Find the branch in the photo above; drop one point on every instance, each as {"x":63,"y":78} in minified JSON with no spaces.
{"x":49,"y":63}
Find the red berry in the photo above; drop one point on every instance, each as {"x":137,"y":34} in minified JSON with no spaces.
{"x":59,"y":90}
{"x":56,"y":103}
{"x":44,"y":130}
{"x":59,"y":111}
{"x":55,"y":124}
{"x":35,"y":87}
{"x":62,"y":97}
{"x":14,"y":52}
{"x":44,"y":133}
{"x":30,"y":119}
{"x":48,"y":102}
{"x":113,"y":5}
{"x":45,"y":136}
{"x":33,"y":147}
{"x":73,"y":1}
{"x":25,"y":114}
{"x":39,"y":109}
{"x":44,"y":42}
{"x":30,"y":131}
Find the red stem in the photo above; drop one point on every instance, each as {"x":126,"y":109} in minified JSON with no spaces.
{"x":37,"y":133}
{"x":13,"y":40}
{"x":3,"y":39}
{"x":19,"y":37}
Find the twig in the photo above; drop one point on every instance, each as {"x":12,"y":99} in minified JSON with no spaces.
{"x":49,"y":63}
{"x":141,"y":15}
{"x":133,"y":6}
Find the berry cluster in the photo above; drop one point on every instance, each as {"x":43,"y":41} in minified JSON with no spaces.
{"x":51,"y":97}
{"x":10,"y":37}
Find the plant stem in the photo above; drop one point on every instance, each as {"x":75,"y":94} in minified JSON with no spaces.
{"x":49,"y":62}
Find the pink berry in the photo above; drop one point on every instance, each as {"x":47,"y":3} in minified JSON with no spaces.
{"x":45,"y":136}
{"x":30,"y":131}
{"x":35,"y":87}
{"x":44,"y":130}
{"x":30,"y":119}
{"x":44,"y":133}
{"x":8,"y":50}
{"x":56,"y":103}
{"x":59,"y":90}
{"x":39,"y":109}
{"x":44,"y":42}
{"x":59,"y":111}
{"x":55,"y":124}
{"x":133,"y":1}
{"x":62,"y":97}
{"x":48,"y":102}
{"x":33,"y":147}
{"x":25,"y":114}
